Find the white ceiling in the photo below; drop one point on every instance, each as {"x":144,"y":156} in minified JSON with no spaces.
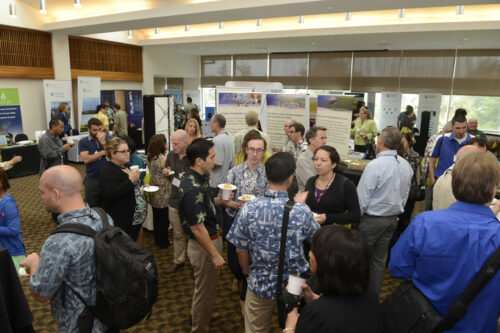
{"x":106,"y":16}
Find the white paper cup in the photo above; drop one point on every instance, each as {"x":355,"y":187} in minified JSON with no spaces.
{"x":295,"y":284}
{"x":226,"y":192}
{"x":134,"y":168}
{"x":70,"y":141}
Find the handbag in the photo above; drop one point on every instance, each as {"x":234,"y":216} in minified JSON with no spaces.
{"x":407,"y":310}
{"x":282,"y":311}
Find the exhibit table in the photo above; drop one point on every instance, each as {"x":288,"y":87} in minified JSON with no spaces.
{"x":30,"y":165}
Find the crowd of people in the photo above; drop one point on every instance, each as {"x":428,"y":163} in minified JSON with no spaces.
{"x":340,"y":231}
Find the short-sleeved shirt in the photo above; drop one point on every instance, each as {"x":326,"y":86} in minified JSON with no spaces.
{"x":178,"y":166}
{"x":92,"y":146}
{"x":178,"y":118}
{"x":257,"y":229}
{"x":103,"y":118}
{"x":121,"y":123}
{"x":224,"y":156}
{"x":68,"y":260}
{"x":446,"y":151}
{"x":247,"y":182}
{"x":196,"y":204}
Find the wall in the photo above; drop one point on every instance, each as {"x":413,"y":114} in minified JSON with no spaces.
{"x":161,"y":60}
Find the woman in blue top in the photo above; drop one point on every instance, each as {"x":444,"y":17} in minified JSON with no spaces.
{"x":63,"y":115}
{"x":10,"y":224}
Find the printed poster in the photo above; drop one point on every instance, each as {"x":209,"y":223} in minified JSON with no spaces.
{"x":335,"y":114}
{"x":432,"y":103}
{"x":89,"y":96}
{"x":390,"y":108}
{"x":55,"y":93}
{"x":176,"y":94}
{"x":280,"y":108}
{"x":234,"y":106}
{"x":11,"y":122}
{"x":134,"y":107}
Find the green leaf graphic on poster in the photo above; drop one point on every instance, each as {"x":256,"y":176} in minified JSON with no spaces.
{"x":9,"y":97}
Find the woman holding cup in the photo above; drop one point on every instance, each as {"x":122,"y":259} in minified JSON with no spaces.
{"x":118,"y":184}
{"x":331,"y":195}
{"x":341,"y":260}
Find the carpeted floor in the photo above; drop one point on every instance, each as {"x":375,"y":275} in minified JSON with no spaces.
{"x":171,"y":311}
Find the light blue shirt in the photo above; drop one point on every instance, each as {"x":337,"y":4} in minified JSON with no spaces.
{"x":384,"y":185}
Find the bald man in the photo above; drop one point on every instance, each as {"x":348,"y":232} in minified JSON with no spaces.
{"x":252,"y":121}
{"x":443,"y":195}
{"x":472,"y":128}
{"x":66,"y":259}
{"x":179,"y":164}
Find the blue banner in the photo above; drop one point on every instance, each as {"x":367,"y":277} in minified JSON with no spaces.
{"x":134,"y":107}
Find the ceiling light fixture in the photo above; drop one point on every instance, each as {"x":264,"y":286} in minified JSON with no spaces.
{"x":129,"y":34}
{"x":77,"y":3}
{"x":12,"y":9}
{"x":348,"y":16}
{"x":157,"y":31}
{"x":43,"y":9}
{"x":259,"y":22}
{"x":401,"y":13}
{"x":186,"y":28}
{"x":301,"y":19}
{"x":460,"y":10}
{"x":221,"y":25}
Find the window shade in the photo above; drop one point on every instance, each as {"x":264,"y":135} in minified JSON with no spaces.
{"x":250,"y":67}
{"x":290,"y":69}
{"x":427,"y":71}
{"x":330,"y":71}
{"x":215,"y":70}
{"x":376,"y":71}
{"x":477,"y":73}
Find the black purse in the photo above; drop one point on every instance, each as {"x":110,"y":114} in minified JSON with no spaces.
{"x":407,"y":310}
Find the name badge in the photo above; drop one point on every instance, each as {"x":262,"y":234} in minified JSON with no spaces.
{"x":176,"y":182}
{"x":358,"y":129}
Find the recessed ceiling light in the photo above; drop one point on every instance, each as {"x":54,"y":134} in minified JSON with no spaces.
{"x":401,"y":13}
{"x":12,"y":10}
{"x":221,"y":25}
{"x":460,"y":10}
{"x":157,"y":31}
{"x":77,"y":3}
{"x":301,"y":19}
{"x":313,"y":43}
{"x":43,"y":9}
{"x":259,"y":22}
{"x":186,"y":28}
{"x":466,"y":38}
{"x":348,"y":16}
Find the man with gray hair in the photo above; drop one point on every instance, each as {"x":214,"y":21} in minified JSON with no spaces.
{"x":315,"y":138}
{"x":224,"y":150}
{"x":382,"y":191}
{"x":252,"y":121}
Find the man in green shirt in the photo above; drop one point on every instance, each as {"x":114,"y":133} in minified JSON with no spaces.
{"x":121,"y":121}
{"x":472,"y":128}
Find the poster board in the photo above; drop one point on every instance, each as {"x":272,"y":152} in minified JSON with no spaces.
{"x":335,"y":114}
{"x":390,"y":108}
{"x":56,"y":92}
{"x":89,"y":96}
{"x":432,"y":103}
{"x":176,"y":95}
{"x":10,"y":113}
{"x":234,"y":106}
{"x":283,"y":107}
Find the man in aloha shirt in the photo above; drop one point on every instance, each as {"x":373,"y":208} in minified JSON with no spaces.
{"x":197,"y":214}
{"x":256,"y":232}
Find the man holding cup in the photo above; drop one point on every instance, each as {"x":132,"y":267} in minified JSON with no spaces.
{"x":256,"y":233}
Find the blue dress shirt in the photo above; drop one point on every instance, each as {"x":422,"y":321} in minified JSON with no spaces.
{"x":442,"y":251}
{"x":384,"y":185}
{"x":446,"y":151}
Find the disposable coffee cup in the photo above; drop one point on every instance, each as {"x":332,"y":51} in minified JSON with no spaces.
{"x":134,"y":168}
{"x":226,"y":190}
{"x":70,"y":141}
{"x":295,"y":282}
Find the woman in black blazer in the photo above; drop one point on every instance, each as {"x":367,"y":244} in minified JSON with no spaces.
{"x":330,"y":194}
{"x":117,"y":186}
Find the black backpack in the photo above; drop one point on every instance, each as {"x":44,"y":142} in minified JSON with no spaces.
{"x":127,"y":278}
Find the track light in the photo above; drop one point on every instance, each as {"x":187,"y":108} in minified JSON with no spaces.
{"x":12,"y":9}
{"x":301,"y":19}
{"x":77,"y":3}
{"x":259,"y":22}
{"x":129,"y":34}
{"x":460,"y":10}
{"x":221,"y":25}
{"x":348,"y":16}
{"x":401,"y":13}
{"x":43,"y":9}
{"x":186,"y":28}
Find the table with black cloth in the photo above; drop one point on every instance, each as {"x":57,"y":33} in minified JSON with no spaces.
{"x":354,"y":175}
{"x":30,"y":165}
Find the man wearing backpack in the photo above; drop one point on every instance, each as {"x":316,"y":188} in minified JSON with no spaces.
{"x":67,"y":262}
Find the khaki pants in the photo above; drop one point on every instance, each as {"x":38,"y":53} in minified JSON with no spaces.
{"x":179,"y":238}
{"x":205,"y":284}
{"x":258,"y":313}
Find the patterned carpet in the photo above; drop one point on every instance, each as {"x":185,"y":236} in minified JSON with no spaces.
{"x":171,"y":311}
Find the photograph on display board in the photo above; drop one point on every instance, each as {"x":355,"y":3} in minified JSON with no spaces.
{"x":176,"y":94}
{"x":54,"y":109}
{"x":234,"y":106}
{"x":88,"y":111}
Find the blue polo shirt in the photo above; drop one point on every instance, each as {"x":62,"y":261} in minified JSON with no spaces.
{"x":93,"y":146}
{"x":446,"y":152}
{"x":442,"y":251}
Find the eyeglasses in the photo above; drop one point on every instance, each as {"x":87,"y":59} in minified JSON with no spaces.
{"x":123,"y":151}
{"x":291,"y":132}
{"x":253,"y":150}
